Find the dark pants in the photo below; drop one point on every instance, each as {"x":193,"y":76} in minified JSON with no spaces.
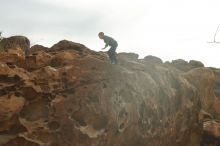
{"x":112,"y":54}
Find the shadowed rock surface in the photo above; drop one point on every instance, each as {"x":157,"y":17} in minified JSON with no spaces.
{"x":69,"y":95}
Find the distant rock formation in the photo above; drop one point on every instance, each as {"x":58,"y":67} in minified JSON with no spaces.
{"x":69,"y":95}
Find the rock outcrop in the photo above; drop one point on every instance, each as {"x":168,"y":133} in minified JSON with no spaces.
{"x":69,"y":95}
{"x":15,"y":42}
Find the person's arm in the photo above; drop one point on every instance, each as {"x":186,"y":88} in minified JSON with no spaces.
{"x":106,"y":45}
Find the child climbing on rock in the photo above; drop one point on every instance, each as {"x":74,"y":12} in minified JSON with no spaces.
{"x":113,"y":44}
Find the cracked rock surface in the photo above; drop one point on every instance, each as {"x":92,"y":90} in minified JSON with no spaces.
{"x":69,"y":95}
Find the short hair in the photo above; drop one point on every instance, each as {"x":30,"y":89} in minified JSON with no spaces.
{"x":101,"y":33}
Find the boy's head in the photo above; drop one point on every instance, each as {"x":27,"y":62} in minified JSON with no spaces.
{"x":101,"y":35}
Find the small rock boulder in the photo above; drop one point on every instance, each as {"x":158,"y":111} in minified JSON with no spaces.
{"x":195,"y":63}
{"x":37,"y":48}
{"x":153,"y":59}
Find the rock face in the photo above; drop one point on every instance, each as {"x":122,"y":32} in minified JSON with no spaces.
{"x":15,"y":42}
{"x":69,"y":95}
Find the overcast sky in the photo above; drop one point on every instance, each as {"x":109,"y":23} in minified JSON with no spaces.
{"x":169,"y":29}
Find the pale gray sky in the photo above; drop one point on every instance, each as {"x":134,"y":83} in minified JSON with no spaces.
{"x":169,"y":29}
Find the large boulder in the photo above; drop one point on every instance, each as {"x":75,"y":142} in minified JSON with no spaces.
{"x":70,"y":95}
{"x":14,"y":42}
